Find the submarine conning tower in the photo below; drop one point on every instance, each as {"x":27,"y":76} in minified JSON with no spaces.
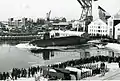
{"x":46,"y":36}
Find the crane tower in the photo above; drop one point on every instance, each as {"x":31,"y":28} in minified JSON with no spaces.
{"x":48,"y":15}
{"x":86,"y":15}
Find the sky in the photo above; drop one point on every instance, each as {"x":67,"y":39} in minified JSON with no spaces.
{"x":70,"y":9}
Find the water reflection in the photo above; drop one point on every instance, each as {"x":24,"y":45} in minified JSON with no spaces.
{"x":82,"y":53}
{"x":46,"y":54}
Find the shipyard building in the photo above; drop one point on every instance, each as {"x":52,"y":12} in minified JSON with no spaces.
{"x":114,"y":27}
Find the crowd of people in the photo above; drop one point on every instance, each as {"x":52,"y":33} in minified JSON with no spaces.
{"x":18,"y":73}
{"x":92,"y":59}
{"x":31,"y":71}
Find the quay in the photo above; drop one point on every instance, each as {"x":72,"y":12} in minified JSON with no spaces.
{"x":113,"y":74}
{"x":22,"y":38}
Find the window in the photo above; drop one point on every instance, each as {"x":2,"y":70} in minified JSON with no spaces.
{"x":57,"y":34}
{"x":110,"y":23}
{"x":111,"y":30}
{"x":98,"y":30}
{"x":98,"y":26}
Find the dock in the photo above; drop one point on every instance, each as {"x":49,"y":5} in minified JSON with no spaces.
{"x":22,"y":38}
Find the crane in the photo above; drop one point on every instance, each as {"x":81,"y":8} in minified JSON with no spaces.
{"x":86,"y":15}
{"x":48,"y":15}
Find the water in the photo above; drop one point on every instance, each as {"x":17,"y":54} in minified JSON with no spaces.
{"x":13,"y":57}
{"x":10,"y":57}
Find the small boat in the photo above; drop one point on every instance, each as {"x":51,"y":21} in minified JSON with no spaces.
{"x":93,"y":41}
{"x":100,"y":46}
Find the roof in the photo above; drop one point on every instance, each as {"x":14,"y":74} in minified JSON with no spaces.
{"x":58,"y":75}
{"x":62,"y":70}
{"x":61,"y":23}
{"x":115,"y":18}
{"x":72,"y":69}
{"x":118,"y":25}
{"x":117,"y":15}
{"x":97,"y":21}
{"x":53,"y":74}
{"x":67,"y":32}
{"x":116,"y":22}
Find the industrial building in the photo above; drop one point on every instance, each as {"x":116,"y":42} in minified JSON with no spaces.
{"x":113,"y":25}
{"x":76,"y":24}
{"x":61,"y":25}
{"x":117,"y":31}
{"x":13,"y":24}
{"x":98,"y":28}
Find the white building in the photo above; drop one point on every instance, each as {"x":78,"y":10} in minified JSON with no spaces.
{"x":117,"y":31}
{"x":112,"y":24}
{"x":60,"y":33}
{"x":76,"y":24}
{"x":98,"y":28}
{"x":60,"y":25}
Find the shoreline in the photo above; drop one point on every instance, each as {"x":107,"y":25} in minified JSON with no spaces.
{"x":85,"y":63}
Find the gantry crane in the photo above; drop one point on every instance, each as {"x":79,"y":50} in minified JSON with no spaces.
{"x":86,"y":15}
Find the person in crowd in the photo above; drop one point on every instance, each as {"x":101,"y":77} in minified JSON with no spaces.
{"x":36,"y":77}
{"x":25,"y":73}
{"x":38,"y":68}
{"x":32,"y":72}
{"x":9,"y":79}
{"x":7,"y":75}
{"x":12,"y":75}
{"x":29,"y":72}
{"x":102,"y":67}
{"x":1,"y":77}
{"x":4,"y":76}
{"x":22,"y":72}
{"x":19,"y":72}
{"x":119,"y":64}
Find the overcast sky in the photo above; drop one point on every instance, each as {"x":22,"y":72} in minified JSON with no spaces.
{"x":70,"y":9}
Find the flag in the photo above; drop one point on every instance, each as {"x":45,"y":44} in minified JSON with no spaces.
{"x":103,"y":15}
